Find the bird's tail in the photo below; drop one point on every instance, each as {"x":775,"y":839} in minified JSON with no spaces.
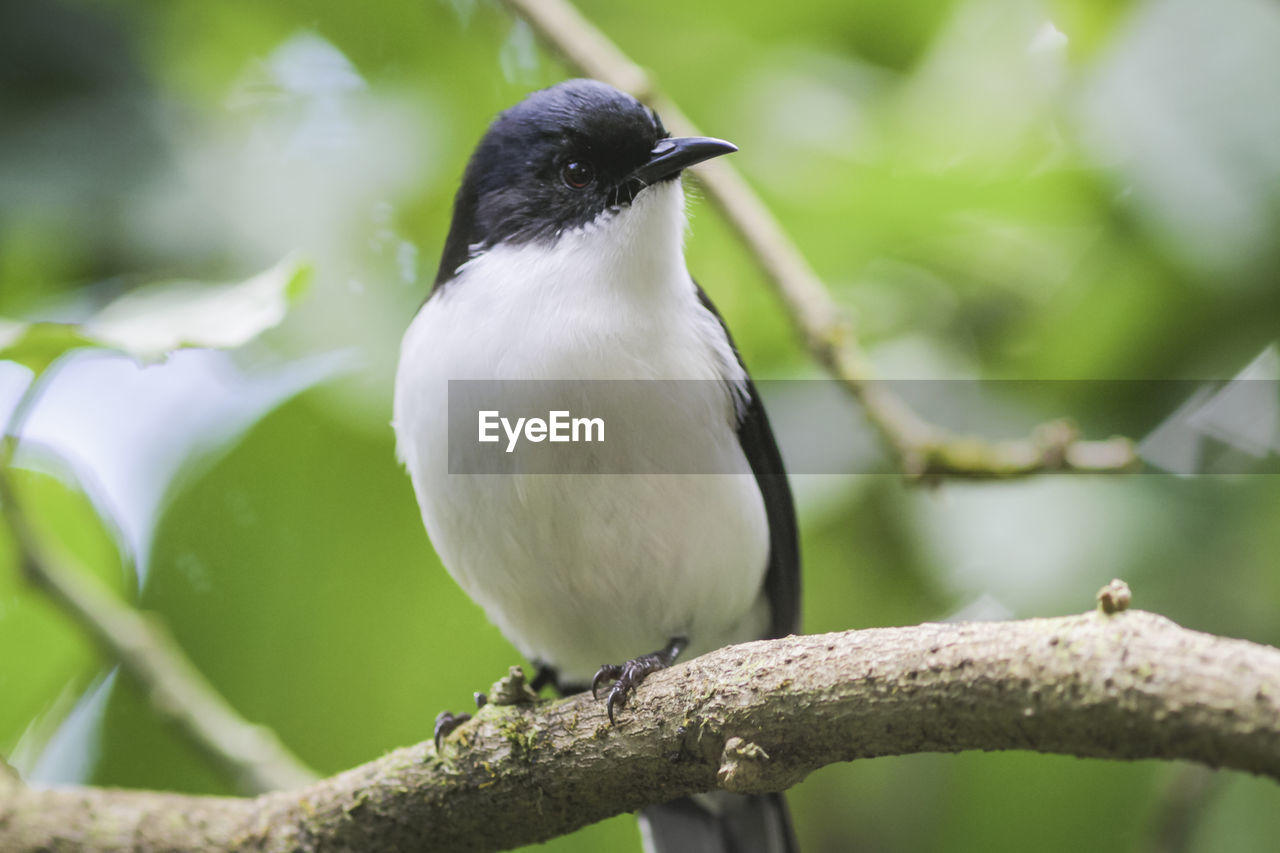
{"x":719,"y":822}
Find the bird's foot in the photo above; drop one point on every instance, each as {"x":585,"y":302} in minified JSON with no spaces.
{"x":447,"y":721}
{"x":627,"y":677}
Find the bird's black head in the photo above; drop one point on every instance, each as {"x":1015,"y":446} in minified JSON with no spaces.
{"x":558,"y":160}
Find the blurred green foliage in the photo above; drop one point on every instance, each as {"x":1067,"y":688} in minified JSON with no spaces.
{"x":47,"y":662}
{"x":1054,"y":190}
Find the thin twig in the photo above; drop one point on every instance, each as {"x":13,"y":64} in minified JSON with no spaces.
{"x":754,"y":717}
{"x":923,"y":450}
{"x":251,"y":754}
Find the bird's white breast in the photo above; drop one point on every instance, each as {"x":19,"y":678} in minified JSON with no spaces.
{"x":583,"y":569}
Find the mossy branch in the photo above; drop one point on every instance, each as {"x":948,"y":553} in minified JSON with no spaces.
{"x":754,"y":717}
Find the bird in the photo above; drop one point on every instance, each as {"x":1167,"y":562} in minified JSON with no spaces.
{"x":564,"y":263}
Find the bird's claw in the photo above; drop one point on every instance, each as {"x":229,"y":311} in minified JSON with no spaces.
{"x":446,"y":722}
{"x":622,"y":685}
{"x":627,"y":678}
{"x":624,"y":680}
{"x":607,"y":672}
{"x":618,"y":697}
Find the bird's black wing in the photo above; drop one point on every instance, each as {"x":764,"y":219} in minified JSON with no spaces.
{"x":782,"y":579}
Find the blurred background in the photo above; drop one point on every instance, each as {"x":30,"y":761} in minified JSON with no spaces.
{"x":1050,"y":191}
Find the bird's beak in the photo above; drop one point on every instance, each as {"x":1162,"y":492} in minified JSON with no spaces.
{"x":670,"y":156}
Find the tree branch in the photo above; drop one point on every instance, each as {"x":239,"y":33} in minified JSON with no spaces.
{"x":754,"y":717}
{"x":922,"y":449}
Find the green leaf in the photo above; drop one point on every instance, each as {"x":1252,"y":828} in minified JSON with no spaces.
{"x":154,"y":320}
{"x":37,"y":345}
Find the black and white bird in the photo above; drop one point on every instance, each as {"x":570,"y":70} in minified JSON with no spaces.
{"x":565,"y":261}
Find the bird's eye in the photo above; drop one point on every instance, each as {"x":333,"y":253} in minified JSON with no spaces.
{"x":577,"y":174}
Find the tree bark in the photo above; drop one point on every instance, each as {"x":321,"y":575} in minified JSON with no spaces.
{"x":754,"y":717}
